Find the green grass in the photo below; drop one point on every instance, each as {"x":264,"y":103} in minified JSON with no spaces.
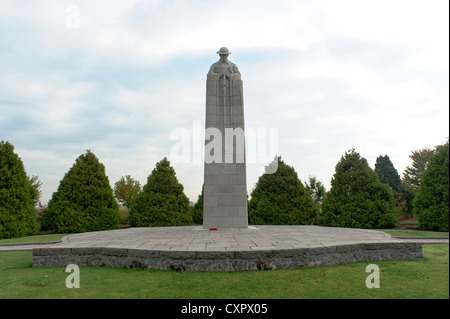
{"x":415,"y":233}
{"x":33,"y":239}
{"x":423,"y":278}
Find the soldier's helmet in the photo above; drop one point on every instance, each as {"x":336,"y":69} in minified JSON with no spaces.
{"x":223,"y":50}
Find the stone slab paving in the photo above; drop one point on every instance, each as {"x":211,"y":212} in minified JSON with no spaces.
{"x":196,"y":249}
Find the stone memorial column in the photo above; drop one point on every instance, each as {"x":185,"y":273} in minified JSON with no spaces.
{"x":225,"y":180}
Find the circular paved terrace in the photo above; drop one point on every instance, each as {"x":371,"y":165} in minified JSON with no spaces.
{"x":193,"y":248}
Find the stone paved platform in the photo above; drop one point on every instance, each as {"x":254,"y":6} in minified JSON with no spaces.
{"x":193,"y":248}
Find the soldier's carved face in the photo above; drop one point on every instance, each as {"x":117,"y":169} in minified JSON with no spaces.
{"x":223,"y":57}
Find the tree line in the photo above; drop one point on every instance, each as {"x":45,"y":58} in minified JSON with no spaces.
{"x":359,"y":197}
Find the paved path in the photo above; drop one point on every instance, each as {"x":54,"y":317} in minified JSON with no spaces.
{"x":26,"y":246}
{"x":194,"y":238}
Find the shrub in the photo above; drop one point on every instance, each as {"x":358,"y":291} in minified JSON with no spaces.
{"x":432,"y":200}
{"x":84,"y":200}
{"x":17,"y":213}
{"x":124,"y":213}
{"x":357,"y":198}
{"x":197,"y":209}
{"x":162,"y":201}
{"x":281,"y":199}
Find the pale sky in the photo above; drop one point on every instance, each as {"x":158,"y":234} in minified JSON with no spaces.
{"x":117,"y":77}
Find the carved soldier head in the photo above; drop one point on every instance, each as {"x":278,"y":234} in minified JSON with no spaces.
{"x":223,"y":53}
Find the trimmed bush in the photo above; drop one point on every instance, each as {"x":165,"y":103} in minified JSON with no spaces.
{"x":84,"y":200}
{"x":281,"y":199}
{"x":17,"y":213}
{"x":432,"y":200}
{"x":162,"y":201}
{"x":357,"y":198}
{"x":197,"y":209}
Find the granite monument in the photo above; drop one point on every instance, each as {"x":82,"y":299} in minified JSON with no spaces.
{"x":225,"y":181}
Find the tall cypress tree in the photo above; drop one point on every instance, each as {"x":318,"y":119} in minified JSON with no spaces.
{"x":162,"y":201}
{"x":17,"y":213}
{"x":357,"y":198}
{"x":386,"y":172}
{"x":432,"y":201}
{"x":84,"y":200}
{"x":281,"y":199}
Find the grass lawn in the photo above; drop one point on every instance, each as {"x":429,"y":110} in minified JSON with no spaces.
{"x":415,"y":233}
{"x":33,"y":239}
{"x":424,"y":278}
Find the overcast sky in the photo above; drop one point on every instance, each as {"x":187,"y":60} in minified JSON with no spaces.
{"x":117,"y":77}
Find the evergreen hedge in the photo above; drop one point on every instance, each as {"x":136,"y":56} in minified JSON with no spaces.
{"x":432,"y":200}
{"x":357,"y":198}
{"x":162,"y":201}
{"x":84,"y":200}
{"x":281,"y":199}
{"x":17,"y":213}
{"x":197,"y":209}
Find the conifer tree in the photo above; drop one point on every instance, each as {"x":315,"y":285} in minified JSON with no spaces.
{"x":431,"y":203}
{"x":281,"y":199}
{"x":386,"y":172}
{"x":162,"y":201}
{"x":357,"y":198}
{"x":419,"y":163}
{"x":412,"y":175}
{"x":316,"y":189}
{"x":17,"y":213}
{"x":197,"y":209}
{"x":84,"y":200}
